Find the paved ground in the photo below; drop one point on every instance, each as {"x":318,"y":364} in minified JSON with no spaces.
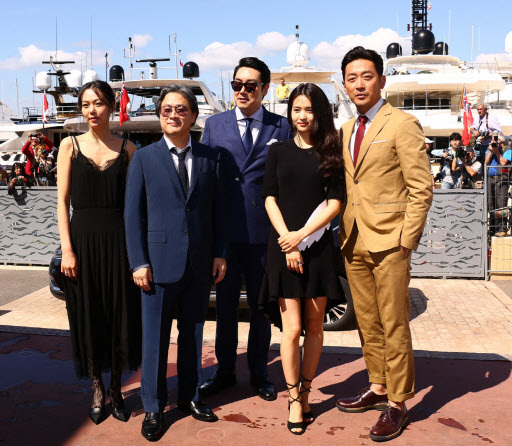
{"x":18,"y":282}
{"x":462,"y":335}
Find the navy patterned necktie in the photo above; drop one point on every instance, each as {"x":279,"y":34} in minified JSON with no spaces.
{"x":182,"y":168}
{"x":247,"y":139}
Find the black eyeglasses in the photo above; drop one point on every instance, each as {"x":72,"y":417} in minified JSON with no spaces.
{"x":180,"y":110}
{"x":250,"y":87}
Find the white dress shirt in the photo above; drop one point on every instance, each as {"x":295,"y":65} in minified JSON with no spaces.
{"x":256,"y":124}
{"x":370,"y":114}
{"x":188,"y":156}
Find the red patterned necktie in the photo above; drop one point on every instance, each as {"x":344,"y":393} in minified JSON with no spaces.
{"x":359,"y":136}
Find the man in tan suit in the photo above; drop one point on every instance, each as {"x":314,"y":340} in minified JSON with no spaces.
{"x":389,"y":193}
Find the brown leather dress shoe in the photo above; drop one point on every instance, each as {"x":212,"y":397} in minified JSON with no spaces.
{"x":365,"y":400}
{"x":391,"y":424}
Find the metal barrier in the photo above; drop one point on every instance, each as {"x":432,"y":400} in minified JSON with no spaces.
{"x":499,"y":203}
{"x":454,"y":241}
{"x":28,"y":225}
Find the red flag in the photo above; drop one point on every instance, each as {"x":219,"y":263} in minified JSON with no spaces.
{"x":181,"y":62}
{"x":124,"y":106}
{"x":45,"y":108}
{"x":468,"y":119}
{"x":429,"y":6}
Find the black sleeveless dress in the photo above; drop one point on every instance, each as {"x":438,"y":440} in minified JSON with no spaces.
{"x":103,"y":305}
{"x":291,"y":175}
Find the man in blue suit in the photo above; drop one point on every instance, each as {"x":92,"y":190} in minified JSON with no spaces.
{"x":176,"y":230}
{"x":244,"y":135}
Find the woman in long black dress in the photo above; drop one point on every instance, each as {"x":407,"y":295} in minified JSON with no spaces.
{"x":103,"y":304}
{"x":303,"y":185}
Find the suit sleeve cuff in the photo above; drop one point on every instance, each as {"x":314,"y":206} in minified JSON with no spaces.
{"x":145,"y":265}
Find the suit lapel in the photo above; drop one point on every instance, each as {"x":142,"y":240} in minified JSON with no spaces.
{"x":233,"y":133}
{"x":263,"y":137}
{"x":347,"y":134}
{"x":375,"y":127}
{"x":197,"y":163}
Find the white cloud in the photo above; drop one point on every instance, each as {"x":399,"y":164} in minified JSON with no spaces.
{"x":219,"y":54}
{"x":328,"y":56}
{"x":141,"y":40}
{"x":499,"y":58}
{"x":32,"y":56}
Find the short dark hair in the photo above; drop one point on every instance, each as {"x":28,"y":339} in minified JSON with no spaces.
{"x":323,"y":132}
{"x":103,"y":91}
{"x":362,"y":53}
{"x":456,"y":136}
{"x":185,"y":91}
{"x":256,"y":64}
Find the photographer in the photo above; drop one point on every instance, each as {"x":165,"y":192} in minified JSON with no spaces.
{"x":498,"y":183}
{"x":449,"y":177}
{"x":471,"y":170}
{"x":483,"y":129}
{"x":30,"y":146}
{"x":44,"y":169}
{"x":18,"y":178}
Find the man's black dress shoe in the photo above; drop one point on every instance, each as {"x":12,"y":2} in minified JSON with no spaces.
{"x":199,"y":410}
{"x":152,"y":426}
{"x":216,"y":383}
{"x":264,"y":388}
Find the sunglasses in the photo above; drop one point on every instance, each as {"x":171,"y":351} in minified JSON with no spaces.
{"x":180,"y":110}
{"x":250,"y":87}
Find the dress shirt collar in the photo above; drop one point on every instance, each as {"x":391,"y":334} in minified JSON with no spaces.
{"x":370,"y":114}
{"x":170,"y":145}
{"x":257,"y":116}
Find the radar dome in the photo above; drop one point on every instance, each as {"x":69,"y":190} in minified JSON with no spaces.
{"x":297,"y":54}
{"x":190,"y":70}
{"x":440,"y":49}
{"x":508,"y":43}
{"x":90,"y":76}
{"x":43,"y":80}
{"x":116,"y":73}
{"x":423,"y":42}
{"x":393,"y":50}
{"x":74,"y":79}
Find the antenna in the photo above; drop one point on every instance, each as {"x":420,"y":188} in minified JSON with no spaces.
{"x":56,"y":38}
{"x":91,"y":42}
{"x":297,"y":32}
{"x":131,"y":54}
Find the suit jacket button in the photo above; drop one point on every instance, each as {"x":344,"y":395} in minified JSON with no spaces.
{"x":356,"y":181}
{"x":187,"y":209}
{"x":254,"y":204}
{"x":186,"y":232}
{"x":237,"y":179}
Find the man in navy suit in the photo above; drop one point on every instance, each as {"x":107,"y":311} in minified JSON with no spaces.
{"x":244,"y":135}
{"x":176,"y":230}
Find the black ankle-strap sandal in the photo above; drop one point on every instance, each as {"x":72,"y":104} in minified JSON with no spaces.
{"x":297,"y":425}
{"x":308,"y":417}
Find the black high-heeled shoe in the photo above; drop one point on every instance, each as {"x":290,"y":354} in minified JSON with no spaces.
{"x":97,"y":414}
{"x":294,"y":425}
{"x":117,"y":407}
{"x":306,"y":415}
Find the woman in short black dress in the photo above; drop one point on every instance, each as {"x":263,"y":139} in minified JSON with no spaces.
{"x":303,"y":186}
{"x":102,"y":302}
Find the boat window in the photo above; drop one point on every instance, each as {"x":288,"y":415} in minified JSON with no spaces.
{"x":5,"y":157}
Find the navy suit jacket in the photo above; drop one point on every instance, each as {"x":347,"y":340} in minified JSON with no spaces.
{"x":162,"y":225}
{"x":249,"y":222}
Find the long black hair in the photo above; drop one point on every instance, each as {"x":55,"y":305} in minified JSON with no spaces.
{"x":323,"y":133}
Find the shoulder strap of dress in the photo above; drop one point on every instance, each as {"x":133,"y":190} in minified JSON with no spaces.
{"x":76,"y":147}
{"x":124,"y":145}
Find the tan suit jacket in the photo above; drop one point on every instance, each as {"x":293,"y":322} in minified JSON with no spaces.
{"x":389,"y":191}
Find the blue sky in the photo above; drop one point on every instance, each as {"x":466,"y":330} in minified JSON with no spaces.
{"x":216,"y":34}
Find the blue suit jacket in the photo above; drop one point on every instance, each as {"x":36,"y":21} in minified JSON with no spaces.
{"x":162,"y":225}
{"x":248,"y":220}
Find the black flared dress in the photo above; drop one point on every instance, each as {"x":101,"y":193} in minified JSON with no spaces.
{"x":103,"y":305}
{"x":291,"y":175}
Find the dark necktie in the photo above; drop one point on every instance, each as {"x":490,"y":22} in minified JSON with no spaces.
{"x":182,"y":168}
{"x":247,"y":140}
{"x":359,"y":136}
